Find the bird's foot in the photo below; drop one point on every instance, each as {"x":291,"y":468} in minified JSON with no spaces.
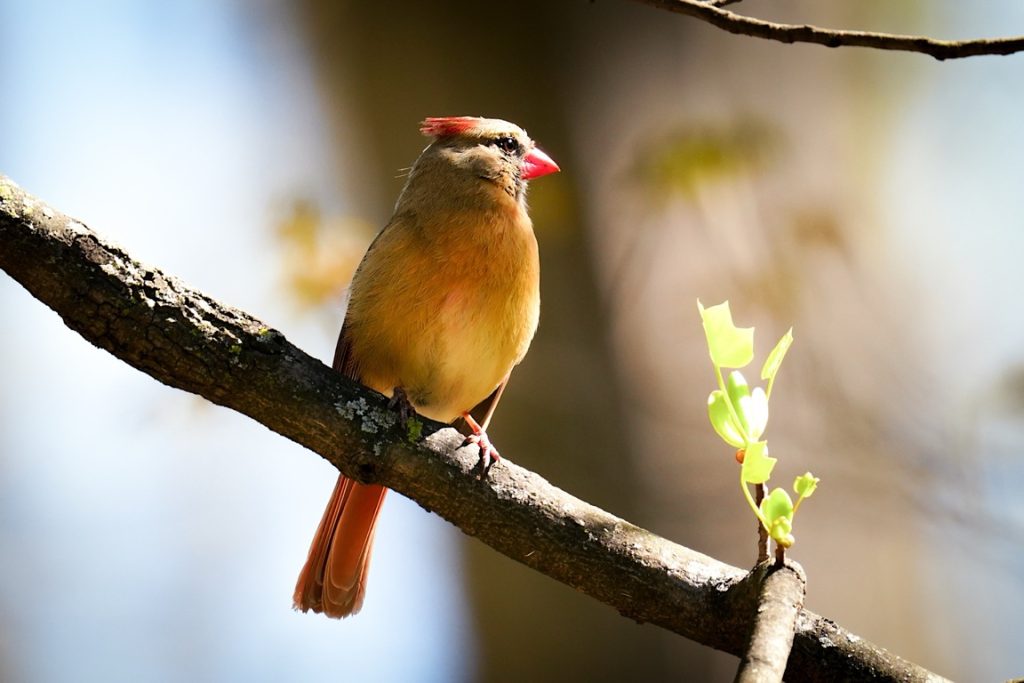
{"x":399,"y":402}
{"x":488,"y":453}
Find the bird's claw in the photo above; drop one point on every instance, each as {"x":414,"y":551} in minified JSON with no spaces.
{"x":399,"y":402}
{"x":488,"y":453}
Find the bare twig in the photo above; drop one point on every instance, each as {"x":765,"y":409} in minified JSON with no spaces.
{"x":780,"y":599}
{"x":713,"y":13}
{"x":187,"y":340}
{"x":762,"y":533}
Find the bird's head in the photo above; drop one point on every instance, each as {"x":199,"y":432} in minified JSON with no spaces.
{"x":496,"y":152}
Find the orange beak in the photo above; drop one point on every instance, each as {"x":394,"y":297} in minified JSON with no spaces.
{"x":536,"y":164}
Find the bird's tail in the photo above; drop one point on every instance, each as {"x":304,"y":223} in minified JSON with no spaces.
{"x":333,"y":581}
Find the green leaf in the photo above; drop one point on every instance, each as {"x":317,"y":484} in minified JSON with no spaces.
{"x":781,"y":531}
{"x":751,"y":408}
{"x":736,"y":385}
{"x":755,"y":411}
{"x":757,"y":466}
{"x":721,"y":420}
{"x":774,"y":359}
{"x":777,"y":508}
{"x":805,"y":485}
{"x":777,"y":504}
{"x":730,"y":346}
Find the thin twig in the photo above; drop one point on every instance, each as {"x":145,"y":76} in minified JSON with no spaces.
{"x":762,"y":533}
{"x":805,"y":33}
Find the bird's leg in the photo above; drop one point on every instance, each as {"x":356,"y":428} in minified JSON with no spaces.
{"x":399,"y":402}
{"x":479,"y":435}
{"x":487,"y":451}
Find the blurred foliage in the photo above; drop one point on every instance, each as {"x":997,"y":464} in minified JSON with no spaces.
{"x":679,"y":162}
{"x":318,"y":255}
{"x":883,"y":15}
{"x":818,"y":227}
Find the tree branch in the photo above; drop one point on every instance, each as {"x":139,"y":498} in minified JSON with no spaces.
{"x":712,"y":13}
{"x":187,"y":340}
{"x":779,"y":601}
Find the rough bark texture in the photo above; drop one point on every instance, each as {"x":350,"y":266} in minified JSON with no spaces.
{"x":712,"y":13}
{"x":185,"y":339}
{"x":779,"y":602}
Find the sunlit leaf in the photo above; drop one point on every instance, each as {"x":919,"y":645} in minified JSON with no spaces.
{"x":756,"y":413}
{"x":781,"y":532}
{"x":777,"y":504}
{"x":805,"y":485}
{"x":730,"y":346}
{"x":777,"y":508}
{"x":722,"y":421}
{"x":739,"y":391}
{"x":774,"y":360}
{"x":757,"y":465}
{"x":751,"y":407}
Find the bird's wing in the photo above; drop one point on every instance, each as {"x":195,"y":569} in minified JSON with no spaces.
{"x":343,"y":360}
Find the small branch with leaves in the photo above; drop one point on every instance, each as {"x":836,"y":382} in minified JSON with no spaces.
{"x":711,"y":11}
{"x":740,"y":416}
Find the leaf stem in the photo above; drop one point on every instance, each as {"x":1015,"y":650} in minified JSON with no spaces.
{"x":750,"y":500}
{"x":796,"y":505}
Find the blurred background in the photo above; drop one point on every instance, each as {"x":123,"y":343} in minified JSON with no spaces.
{"x":871,"y":200}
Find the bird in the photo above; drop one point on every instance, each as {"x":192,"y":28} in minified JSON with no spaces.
{"x":443,"y":305}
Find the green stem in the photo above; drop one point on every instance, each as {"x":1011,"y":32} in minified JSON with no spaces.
{"x":796,"y":505}
{"x":750,"y":500}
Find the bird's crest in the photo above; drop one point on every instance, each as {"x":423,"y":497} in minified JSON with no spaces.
{"x":446,"y":126}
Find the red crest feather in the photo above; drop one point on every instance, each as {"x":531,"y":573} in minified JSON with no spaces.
{"x":444,"y":126}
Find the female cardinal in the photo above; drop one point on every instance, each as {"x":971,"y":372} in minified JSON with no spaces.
{"x":441,"y":308}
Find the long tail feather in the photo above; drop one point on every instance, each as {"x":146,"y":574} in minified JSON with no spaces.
{"x":333,"y":581}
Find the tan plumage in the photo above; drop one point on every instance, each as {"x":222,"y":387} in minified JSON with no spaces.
{"x":443,"y":305}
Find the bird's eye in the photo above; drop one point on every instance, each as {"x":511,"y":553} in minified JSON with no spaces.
{"x":507,"y":143}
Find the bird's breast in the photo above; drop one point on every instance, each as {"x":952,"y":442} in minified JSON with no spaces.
{"x":445,"y":313}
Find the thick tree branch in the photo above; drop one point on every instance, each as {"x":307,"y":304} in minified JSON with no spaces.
{"x":187,"y":340}
{"x":713,"y":13}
